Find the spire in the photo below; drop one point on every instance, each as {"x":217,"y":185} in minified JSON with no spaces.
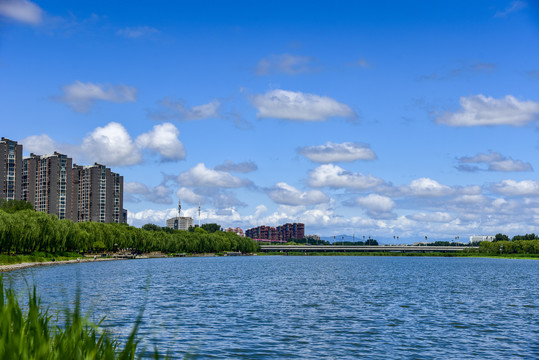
{"x":179,"y":208}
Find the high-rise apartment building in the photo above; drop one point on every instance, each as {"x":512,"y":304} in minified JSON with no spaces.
{"x":97,"y":194}
{"x":10,"y":169}
{"x":46,"y":183}
{"x":53,"y":185}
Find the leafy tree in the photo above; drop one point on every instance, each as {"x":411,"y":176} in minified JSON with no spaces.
{"x":501,"y":237}
{"x":12,"y":206}
{"x":211,"y":228}
{"x":151,"y":227}
{"x":371,"y":242}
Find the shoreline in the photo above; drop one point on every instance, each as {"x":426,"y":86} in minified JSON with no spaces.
{"x":12,"y":267}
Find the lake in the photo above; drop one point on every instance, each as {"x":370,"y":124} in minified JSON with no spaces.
{"x":308,"y":307}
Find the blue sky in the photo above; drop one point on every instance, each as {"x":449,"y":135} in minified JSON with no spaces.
{"x":386,"y":118}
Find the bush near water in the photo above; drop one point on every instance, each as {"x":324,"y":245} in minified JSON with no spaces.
{"x":28,"y":232}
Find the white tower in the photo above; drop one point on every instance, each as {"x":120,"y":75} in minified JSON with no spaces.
{"x":199,"y":214}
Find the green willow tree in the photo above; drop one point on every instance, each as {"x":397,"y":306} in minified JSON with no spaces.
{"x":27,"y":231}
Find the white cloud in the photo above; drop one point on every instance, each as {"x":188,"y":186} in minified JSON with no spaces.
{"x":437,"y":217}
{"x":479,"y":110}
{"x":159,"y":194}
{"x":39,"y":144}
{"x":334,"y":176}
{"x":476,"y":199}
{"x":282,"y":193}
{"x":376,"y":203}
{"x":111,"y":145}
{"x":137,"y":32}
{"x":332,"y":152}
{"x":163,"y":139}
{"x":285,"y":63}
{"x":289,"y":105}
{"x":177,"y":110}
{"x":157,"y":217}
{"x":243,"y":167}
{"x":81,"y":96}
{"x":426,"y":187}
{"x":201,"y":176}
{"x":134,"y":187}
{"x":495,"y":162}
{"x":188,"y":195}
{"x":516,"y":188}
{"x":21,"y":10}
{"x":510,"y":165}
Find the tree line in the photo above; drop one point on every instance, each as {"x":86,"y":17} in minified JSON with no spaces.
{"x":27,"y":231}
{"x":519,"y":244}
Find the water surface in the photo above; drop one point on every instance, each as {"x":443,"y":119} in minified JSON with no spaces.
{"x":274,"y":307}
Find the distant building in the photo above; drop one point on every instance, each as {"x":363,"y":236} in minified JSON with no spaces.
{"x":476,"y":239}
{"x":238,"y":231}
{"x":291,"y":231}
{"x":46,"y":183}
{"x":10,"y":170}
{"x":180,"y":223}
{"x":281,"y":233}
{"x":97,"y":194}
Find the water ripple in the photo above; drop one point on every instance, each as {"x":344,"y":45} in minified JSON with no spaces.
{"x":309,"y":307}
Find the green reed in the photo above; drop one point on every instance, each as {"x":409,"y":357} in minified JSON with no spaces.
{"x":30,"y":334}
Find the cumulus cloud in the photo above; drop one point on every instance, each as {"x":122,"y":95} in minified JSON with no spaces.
{"x":437,"y":217}
{"x":282,"y":193}
{"x":188,"y":195}
{"x":39,"y":144}
{"x":290,"y":105}
{"x":334,"y":176}
{"x":285,"y":64}
{"x":159,"y":194}
{"x":480,"y":110}
{"x":426,"y":187}
{"x":137,"y":32}
{"x":157,"y":217}
{"x":516,"y":188}
{"x":163,"y":139}
{"x":332,"y":152}
{"x":176,"y":109}
{"x":81,"y":96}
{"x":243,"y":167}
{"x":376,"y":203}
{"x":201,"y":176}
{"x":494,"y":162}
{"x":22,"y":11}
{"x":111,"y":145}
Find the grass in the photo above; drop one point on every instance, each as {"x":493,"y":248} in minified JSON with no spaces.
{"x":31,"y":335}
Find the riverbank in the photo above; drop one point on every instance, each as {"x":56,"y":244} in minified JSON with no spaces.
{"x":24,"y":265}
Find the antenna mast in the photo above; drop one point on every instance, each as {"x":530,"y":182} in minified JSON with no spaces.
{"x":179,"y":207}
{"x":199,"y":214}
